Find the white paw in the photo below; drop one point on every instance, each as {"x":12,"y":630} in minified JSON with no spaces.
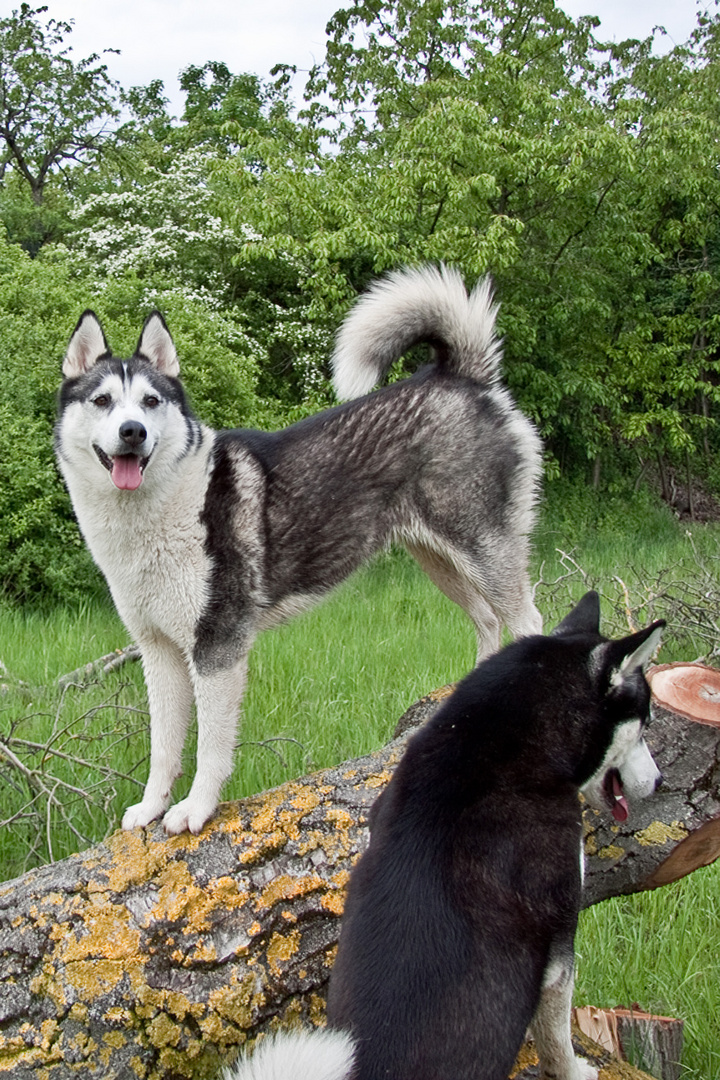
{"x":574,"y":1068}
{"x":188,"y":815}
{"x":142,"y":813}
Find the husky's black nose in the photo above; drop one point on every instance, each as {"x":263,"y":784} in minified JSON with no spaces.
{"x":659,"y":780}
{"x":132,"y":432}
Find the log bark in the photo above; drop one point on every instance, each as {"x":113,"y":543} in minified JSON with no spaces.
{"x":157,"y":957}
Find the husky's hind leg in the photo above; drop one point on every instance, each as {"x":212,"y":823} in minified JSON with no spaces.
{"x":458,"y":587}
{"x":489,"y":607}
{"x":217,"y":695}
{"x":170,"y":697}
{"x":551,"y":1027}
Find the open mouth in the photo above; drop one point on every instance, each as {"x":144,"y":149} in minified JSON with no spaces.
{"x":615,"y":795}
{"x":126,"y":470}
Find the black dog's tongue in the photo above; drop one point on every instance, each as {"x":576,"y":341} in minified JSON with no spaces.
{"x":126,"y":473}
{"x":620,"y":808}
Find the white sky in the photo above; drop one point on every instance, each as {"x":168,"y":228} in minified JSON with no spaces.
{"x":158,"y":38}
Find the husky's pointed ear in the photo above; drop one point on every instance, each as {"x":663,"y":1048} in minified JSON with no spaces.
{"x":583,"y":619}
{"x":630,"y":654}
{"x":157,"y":346}
{"x":87,"y":345}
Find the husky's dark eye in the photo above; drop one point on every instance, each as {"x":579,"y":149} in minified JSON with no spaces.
{"x":102,"y":401}
{"x":151,"y":402}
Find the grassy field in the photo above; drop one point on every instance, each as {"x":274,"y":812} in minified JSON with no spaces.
{"x":331,"y":685}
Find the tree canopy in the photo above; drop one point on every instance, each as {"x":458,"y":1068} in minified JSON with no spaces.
{"x":505,"y":139}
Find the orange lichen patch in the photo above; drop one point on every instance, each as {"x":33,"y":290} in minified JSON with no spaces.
{"x":94,"y":978}
{"x":162,"y":1031}
{"x":103,"y":933}
{"x":316,"y":1010}
{"x":527,"y":1056}
{"x":308,"y":797}
{"x":239,"y":1003}
{"x":379,"y":779}
{"x":658,"y":833}
{"x":281,"y":949}
{"x":339,"y":817}
{"x":265,"y":819}
{"x":115,"y":1039}
{"x":133,"y":860}
{"x":46,"y":984}
{"x":115,"y":1015}
{"x":286,"y":887}
{"x":591,"y":844}
{"x":334,"y":903}
{"x":203,"y":953}
{"x":313,"y":839}
{"x":262,"y":847}
{"x":180,"y":899}
{"x":612,"y":851}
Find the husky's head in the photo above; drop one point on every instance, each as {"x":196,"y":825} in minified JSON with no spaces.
{"x":114,"y":413}
{"x":626,"y":771}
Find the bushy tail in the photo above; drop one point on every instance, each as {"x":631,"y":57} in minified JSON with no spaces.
{"x":413,"y":305}
{"x":302,"y":1055}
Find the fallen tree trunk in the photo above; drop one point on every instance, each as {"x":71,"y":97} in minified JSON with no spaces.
{"x":156,"y":957}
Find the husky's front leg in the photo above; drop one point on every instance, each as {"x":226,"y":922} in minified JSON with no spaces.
{"x":551,"y":1026}
{"x":217,"y":696}
{"x":170,"y":697}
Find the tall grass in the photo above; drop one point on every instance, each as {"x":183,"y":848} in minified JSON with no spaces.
{"x":331,"y":686}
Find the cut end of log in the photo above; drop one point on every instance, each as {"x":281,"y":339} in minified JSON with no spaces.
{"x":692,"y":690}
{"x":648,"y":1041}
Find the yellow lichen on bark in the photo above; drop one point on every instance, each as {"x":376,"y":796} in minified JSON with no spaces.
{"x":658,"y":833}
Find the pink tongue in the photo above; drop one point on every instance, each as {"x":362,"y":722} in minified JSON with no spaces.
{"x":620,"y":810}
{"x":126,"y":473}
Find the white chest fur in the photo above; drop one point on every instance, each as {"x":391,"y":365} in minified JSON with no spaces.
{"x":150,"y":545}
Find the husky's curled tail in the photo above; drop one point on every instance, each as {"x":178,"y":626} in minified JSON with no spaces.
{"x":410,"y":306}
{"x":312,"y":1055}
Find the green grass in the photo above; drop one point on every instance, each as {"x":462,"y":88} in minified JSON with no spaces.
{"x":660,"y":950}
{"x":331,"y":685}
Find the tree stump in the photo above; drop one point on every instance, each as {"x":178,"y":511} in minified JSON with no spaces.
{"x":653,"y":1042}
{"x":157,"y":957}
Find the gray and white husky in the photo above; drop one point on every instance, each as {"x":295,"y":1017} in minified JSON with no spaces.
{"x":207,"y":538}
{"x":460,"y":917}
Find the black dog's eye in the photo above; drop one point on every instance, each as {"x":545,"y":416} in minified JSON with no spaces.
{"x":151,"y":402}
{"x":102,"y":401}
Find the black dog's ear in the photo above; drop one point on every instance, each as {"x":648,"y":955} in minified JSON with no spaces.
{"x":630,"y":654}
{"x":87,"y":345}
{"x":583,"y":619}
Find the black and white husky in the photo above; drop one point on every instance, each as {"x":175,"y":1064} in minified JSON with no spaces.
{"x":460,"y":917}
{"x":208,"y":537}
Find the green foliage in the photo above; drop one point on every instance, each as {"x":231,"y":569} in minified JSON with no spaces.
{"x":53,"y":110}
{"x":42,"y":557}
{"x":511,"y":140}
{"x":508,"y":139}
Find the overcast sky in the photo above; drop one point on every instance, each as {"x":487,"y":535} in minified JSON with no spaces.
{"x":158,"y":38}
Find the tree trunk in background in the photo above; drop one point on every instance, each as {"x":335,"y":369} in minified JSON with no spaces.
{"x":156,"y":957}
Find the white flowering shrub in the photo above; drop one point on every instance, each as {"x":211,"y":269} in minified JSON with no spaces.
{"x":160,"y":221}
